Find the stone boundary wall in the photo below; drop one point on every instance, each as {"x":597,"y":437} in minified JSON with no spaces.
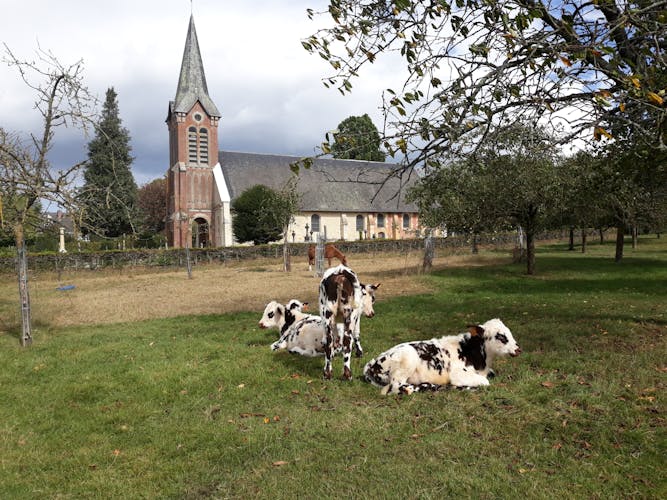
{"x":175,"y":258}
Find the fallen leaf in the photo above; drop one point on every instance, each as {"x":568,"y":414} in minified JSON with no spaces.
{"x":557,"y":446}
{"x":547,"y":384}
{"x":276,"y":418}
{"x":279,"y":463}
{"x":267,"y":420}
{"x":241,"y":386}
{"x":116,"y":452}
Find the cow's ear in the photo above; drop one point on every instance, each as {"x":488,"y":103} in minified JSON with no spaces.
{"x":476,"y":330}
{"x":280,"y":311}
{"x":375,"y":287}
{"x":305,"y":306}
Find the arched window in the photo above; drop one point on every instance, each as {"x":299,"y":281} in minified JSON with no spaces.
{"x":315,"y":223}
{"x":203,"y":145}
{"x":192,"y":145}
{"x":380,"y":220}
{"x":360,"y":223}
{"x":406,"y":221}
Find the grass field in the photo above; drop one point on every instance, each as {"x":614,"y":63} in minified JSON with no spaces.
{"x":196,"y":406}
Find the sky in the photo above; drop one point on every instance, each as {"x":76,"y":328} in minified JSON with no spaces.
{"x":267,"y":87}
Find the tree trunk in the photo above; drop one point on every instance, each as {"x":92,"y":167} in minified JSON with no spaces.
{"x":428,"y":254}
{"x":571,"y":247}
{"x":24,"y":292}
{"x":620,"y":236}
{"x":601,"y":235}
{"x":635,"y":235}
{"x":287,"y":261}
{"x":475,"y":245}
{"x":583,"y":240}
{"x":530,"y":251}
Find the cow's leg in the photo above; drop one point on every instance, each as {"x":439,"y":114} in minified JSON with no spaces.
{"x":467,"y":377}
{"x":329,"y":344}
{"x":358,"y":351}
{"x":347,"y":346}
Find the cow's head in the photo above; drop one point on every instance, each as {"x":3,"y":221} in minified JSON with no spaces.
{"x":498,"y":339}
{"x":295,"y":305}
{"x":368,"y":299}
{"x":274,"y":315}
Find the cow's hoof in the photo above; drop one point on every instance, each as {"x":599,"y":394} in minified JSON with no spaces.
{"x":347,"y":374}
{"x":327,"y":376}
{"x":359,"y":354}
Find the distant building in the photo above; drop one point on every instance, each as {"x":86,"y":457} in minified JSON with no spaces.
{"x":348,"y":199}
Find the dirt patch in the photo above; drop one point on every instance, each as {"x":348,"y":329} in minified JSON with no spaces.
{"x":101,"y":297}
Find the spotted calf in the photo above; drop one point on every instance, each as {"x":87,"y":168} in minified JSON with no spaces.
{"x":281,"y":316}
{"x":460,"y":360}
{"x":343,"y":299}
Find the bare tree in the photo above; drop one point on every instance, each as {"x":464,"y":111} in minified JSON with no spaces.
{"x":27,"y":178}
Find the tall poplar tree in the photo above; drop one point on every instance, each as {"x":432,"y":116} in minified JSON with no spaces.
{"x":109,"y":195}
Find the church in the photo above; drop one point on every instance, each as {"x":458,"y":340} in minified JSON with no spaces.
{"x":342,"y":199}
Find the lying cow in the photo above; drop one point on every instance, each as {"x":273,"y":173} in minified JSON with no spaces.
{"x":306,"y":337}
{"x":343,"y":298}
{"x":460,"y":360}
{"x":281,"y":316}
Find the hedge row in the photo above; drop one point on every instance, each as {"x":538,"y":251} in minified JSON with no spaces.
{"x":166,"y":258}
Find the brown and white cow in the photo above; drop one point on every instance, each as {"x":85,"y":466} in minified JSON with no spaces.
{"x":343,"y":299}
{"x":330,"y":252}
{"x":460,"y":360}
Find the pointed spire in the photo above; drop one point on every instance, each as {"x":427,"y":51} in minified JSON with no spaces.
{"x":192,"y":81}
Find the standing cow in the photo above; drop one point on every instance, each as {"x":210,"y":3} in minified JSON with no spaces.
{"x":460,"y":360}
{"x":343,"y":298}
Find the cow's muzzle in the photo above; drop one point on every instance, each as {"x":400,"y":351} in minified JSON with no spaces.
{"x":516,"y":353}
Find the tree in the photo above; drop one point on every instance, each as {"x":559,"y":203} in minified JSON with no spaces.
{"x":258,"y":215}
{"x":109,"y":194}
{"x":152,"y":202}
{"x":578,"y":67}
{"x":357,"y":138}
{"x":512,"y":179}
{"x":26,"y":175}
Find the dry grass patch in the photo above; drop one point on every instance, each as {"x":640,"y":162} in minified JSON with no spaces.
{"x":110,"y":296}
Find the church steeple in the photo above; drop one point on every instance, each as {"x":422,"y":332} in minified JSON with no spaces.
{"x":192,"y":80}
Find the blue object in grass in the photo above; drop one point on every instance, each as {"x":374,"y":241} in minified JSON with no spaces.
{"x":65,"y":287}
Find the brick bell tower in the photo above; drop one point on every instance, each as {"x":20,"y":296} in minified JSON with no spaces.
{"x":193,"y":202}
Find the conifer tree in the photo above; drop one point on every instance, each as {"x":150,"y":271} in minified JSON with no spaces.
{"x":109,"y":195}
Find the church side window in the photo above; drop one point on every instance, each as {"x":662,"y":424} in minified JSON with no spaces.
{"x":203,"y":145}
{"x":360,"y":223}
{"x":315,"y":223}
{"x":192,"y":145}
{"x":380,"y":220}
{"x":406,"y":221}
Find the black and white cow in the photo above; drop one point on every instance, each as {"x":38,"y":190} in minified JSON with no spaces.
{"x":343,"y":299}
{"x":460,"y":360}
{"x":281,"y":316}
{"x":306,"y":337}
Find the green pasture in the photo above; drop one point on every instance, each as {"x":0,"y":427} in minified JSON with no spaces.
{"x":198,"y":406}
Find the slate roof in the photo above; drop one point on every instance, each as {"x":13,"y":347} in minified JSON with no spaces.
{"x":330,"y":185}
{"x":192,"y":80}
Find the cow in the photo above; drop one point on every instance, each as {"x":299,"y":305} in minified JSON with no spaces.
{"x":330,"y":252}
{"x":306,"y":337}
{"x":343,"y":298}
{"x":281,"y":316}
{"x":462,"y":361}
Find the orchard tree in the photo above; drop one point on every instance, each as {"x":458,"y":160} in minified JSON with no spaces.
{"x":27,"y":177}
{"x":578,"y":68}
{"x":356,"y":138}
{"x":512,"y":179}
{"x":109,"y":194}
